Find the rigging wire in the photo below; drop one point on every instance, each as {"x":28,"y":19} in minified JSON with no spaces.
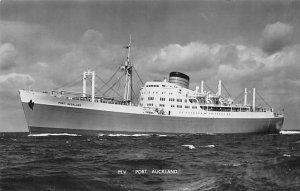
{"x":238,"y":97}
{"x":209,"y":88}
{"x":111,"y":88}
{"x":134,"y":94}
{"x":94,"y":87}
{"x":118,"y":87}
{"x":223,"y":85}
{"x":263,"y":99}
{"x":106,"y":83}
{"x":69,"y":83}
{"x":138,"y":74}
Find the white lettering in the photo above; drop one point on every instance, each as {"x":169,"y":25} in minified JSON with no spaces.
{"x":122,"y":172}
{"x":140,"y":171}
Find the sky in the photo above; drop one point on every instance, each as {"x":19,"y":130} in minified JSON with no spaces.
{"x":246,"y":44}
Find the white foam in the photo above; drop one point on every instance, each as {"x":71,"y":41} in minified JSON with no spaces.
{"x":286,"y":155}
{"x":129,"y":135}
{"x":140,"y":135}
{"x":208,"y":146}
{"x":53,"y":134}
{"x":189,"y":146}
{"x":289,"y":132}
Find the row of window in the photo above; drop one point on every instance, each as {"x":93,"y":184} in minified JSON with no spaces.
{"x":164,"y":99}
{"x":178,"y":106}
{"x":152,"y":86}
{"x":156,"y":92}
{"x":205,"y":113}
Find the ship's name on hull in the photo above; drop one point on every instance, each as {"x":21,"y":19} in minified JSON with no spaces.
{"x":70,"y":104}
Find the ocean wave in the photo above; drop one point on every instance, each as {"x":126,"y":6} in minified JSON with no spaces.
{"x":289,"y":132}
{"x":208,"y":183}
{"x":53,"y":134}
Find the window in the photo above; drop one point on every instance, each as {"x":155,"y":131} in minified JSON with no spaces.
{"x":161,"y":105}
{"x":162,"y":99}
{"x":150,"y":98}
{"x":171,"y":99}
{"x":194,"y":107}
{"x":179,"y":106}
{"x":187,"y":106}
{"x":179,"y":100}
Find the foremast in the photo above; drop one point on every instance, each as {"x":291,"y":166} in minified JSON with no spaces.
{"x":127,"y":67}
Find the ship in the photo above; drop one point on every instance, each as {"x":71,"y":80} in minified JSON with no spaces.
{"x":167,"y":106}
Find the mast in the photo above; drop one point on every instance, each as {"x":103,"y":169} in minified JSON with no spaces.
{"x":245,"y":97}
{"x":253,"y":100}
{"x":85,"y":75}
{"x":219,"y":88}
{"x":127,"y":67}
{"x":84,"y":85}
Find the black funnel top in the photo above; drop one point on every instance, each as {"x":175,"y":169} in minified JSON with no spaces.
{"x":179,"y":74}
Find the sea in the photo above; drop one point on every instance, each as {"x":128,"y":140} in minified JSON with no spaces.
{"x":50,"y":162}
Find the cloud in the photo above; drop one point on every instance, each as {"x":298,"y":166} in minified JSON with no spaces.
{"x":92,"y":51}
{"x":11,"y":114}
{"x":42,"y":64}
{"x":16,"y":80}
{"x":33,"y":42}
{"x":195,"y":56}
{"x":9,"y":85}
{"x":15,"y":31}
{"x":276,"y":36}
{"x":8,"y":53}
{"x":204,"y":61}
{"x":237,"y":65}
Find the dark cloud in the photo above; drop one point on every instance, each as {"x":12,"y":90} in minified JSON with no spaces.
{"x":276,"y":36}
